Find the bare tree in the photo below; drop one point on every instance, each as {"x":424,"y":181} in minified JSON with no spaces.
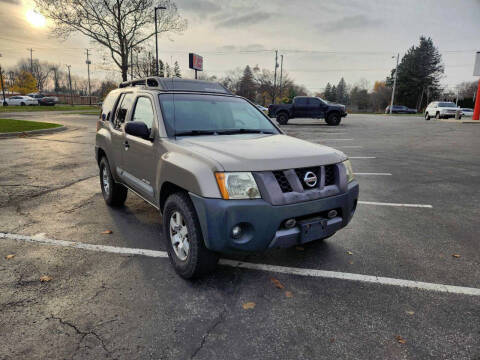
{"x":118,"y":25}
{"x":39,"y":70}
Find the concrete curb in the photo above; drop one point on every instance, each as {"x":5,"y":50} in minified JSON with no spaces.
{"x":32,"y":132}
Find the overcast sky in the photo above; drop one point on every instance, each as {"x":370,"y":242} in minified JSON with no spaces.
{"x":321,"y":40}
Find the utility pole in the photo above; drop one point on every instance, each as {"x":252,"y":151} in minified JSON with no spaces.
{"x":281,"y":73}
{"x":70,"y":84}
{"x":89,"y":87}
{"x":3,"y":87}
{"x":394,"y":85}
{"x":31,"y":60}
{"x":275,"y":77}
{"x":156,"y":37}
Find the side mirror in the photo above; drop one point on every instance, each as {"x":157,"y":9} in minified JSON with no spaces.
{"x":138,"y":128}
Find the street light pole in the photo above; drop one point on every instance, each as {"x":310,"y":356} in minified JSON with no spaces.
{"x":394,"y":85}
{"x":4,"y":102}
{"x":156,"y":37}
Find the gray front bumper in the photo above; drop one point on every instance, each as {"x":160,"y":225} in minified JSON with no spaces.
{"x":262,"y":222}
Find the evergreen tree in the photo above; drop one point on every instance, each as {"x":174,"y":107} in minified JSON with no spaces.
{"x":247,"y":87}
{"x":168,"y":70}
{"x":176,"y":70}
{"x":161,"y":68}
{"x":328,"y":91}
{"x":333,"y":94}
{"x":418,"y":74}
{"x":341,"y":94}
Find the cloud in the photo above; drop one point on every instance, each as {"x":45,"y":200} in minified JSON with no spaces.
{"x":15,"y":2}
{"x":199,"y":7}
{"x":249,"y":47}
{"x":349,"y":23}
{"x":243,"y":20}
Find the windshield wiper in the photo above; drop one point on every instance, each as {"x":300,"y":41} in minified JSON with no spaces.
{"x":243,"y":131}
{"x":195,"y":132}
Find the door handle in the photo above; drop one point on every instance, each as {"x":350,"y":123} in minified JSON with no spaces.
{"x":126,"y":144}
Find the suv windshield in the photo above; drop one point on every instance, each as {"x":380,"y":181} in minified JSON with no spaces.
{"x":447,"y":104}
{"x":192,"y":114}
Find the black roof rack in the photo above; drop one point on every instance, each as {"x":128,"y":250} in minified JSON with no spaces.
{"x":178,"y":84}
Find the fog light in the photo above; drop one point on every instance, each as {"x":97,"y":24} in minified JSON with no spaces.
{"x":332,"y":213}
{"x":236,"y":232}
{"x":290,"y":223}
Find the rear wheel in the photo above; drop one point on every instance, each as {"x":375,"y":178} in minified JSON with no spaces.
{"x":427,"y":117}
{"x":113,"y":193}
{"x":184,"y":239}
{"x":22,"y":103}
{"x":282,"y":118}
{"x":333,"y":119}
{"x":437,"y":116}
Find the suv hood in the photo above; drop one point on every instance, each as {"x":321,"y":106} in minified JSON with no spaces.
{"x":259,"y":152}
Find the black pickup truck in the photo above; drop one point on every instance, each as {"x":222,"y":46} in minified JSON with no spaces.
{"x":308,"y":107}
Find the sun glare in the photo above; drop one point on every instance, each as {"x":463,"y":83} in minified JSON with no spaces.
{"x":35,"y":18}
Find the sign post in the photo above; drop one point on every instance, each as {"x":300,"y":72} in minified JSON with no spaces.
{"x":195,"y":62}
{"x":476,"y":72}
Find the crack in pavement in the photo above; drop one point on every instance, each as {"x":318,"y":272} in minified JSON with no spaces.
{"x":217,"y":321}
{"x":19,"y":199}
{"x":221,"y":317}
{"x":83,"y":334}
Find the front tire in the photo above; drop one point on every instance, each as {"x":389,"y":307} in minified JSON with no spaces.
{"x":22,"y":104}
{"x":282,"y":118}
{"x":184,"y":239}
{"x":114,"y":194}
{"x":333,"y":119}
{"x":427,"y":117}
{"x":437,"y":116}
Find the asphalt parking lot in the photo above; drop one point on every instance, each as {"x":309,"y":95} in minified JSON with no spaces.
{"x":352,"y":296}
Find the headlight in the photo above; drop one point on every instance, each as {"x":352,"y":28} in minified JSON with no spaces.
{"x":348,"y":168}
{"x":237,"y":185}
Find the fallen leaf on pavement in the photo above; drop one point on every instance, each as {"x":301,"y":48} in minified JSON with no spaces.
{"x":332,"y":340}
{"x":410,"y":312}
{"x":248,"y":305}
{"x":456,"y":256}
{"x":349,"y":253}
{"x":107,"y":232}
{"x":10,"y":256}
{"x":350,"y":262}
{"x":300,"y":248}
{"x":277,"y":283}
{"x":400,"y":339}
{"x":45,"y":278}
{"x":288,"y":294}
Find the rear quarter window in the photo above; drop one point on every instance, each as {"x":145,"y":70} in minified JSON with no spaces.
{"x":108,"y":105}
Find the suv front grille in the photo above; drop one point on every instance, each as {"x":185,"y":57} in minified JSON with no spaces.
{"x":286,"y":187}
{"x":329,"y":175}
{"x":282,"y":181}
{"x":301,"y":175}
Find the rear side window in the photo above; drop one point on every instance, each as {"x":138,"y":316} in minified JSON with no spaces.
{"x":124,"y":104}
{"x":108,"y":105}
{"x":301,"y":101}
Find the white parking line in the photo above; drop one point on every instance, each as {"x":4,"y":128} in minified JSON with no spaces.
{"x":376,"y":174}
{"x":362,"y":157}
{"x":262,"y":267}
{"x":395,"y":204}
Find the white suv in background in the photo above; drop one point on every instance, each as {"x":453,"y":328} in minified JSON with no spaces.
{"x":442,"y":109}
